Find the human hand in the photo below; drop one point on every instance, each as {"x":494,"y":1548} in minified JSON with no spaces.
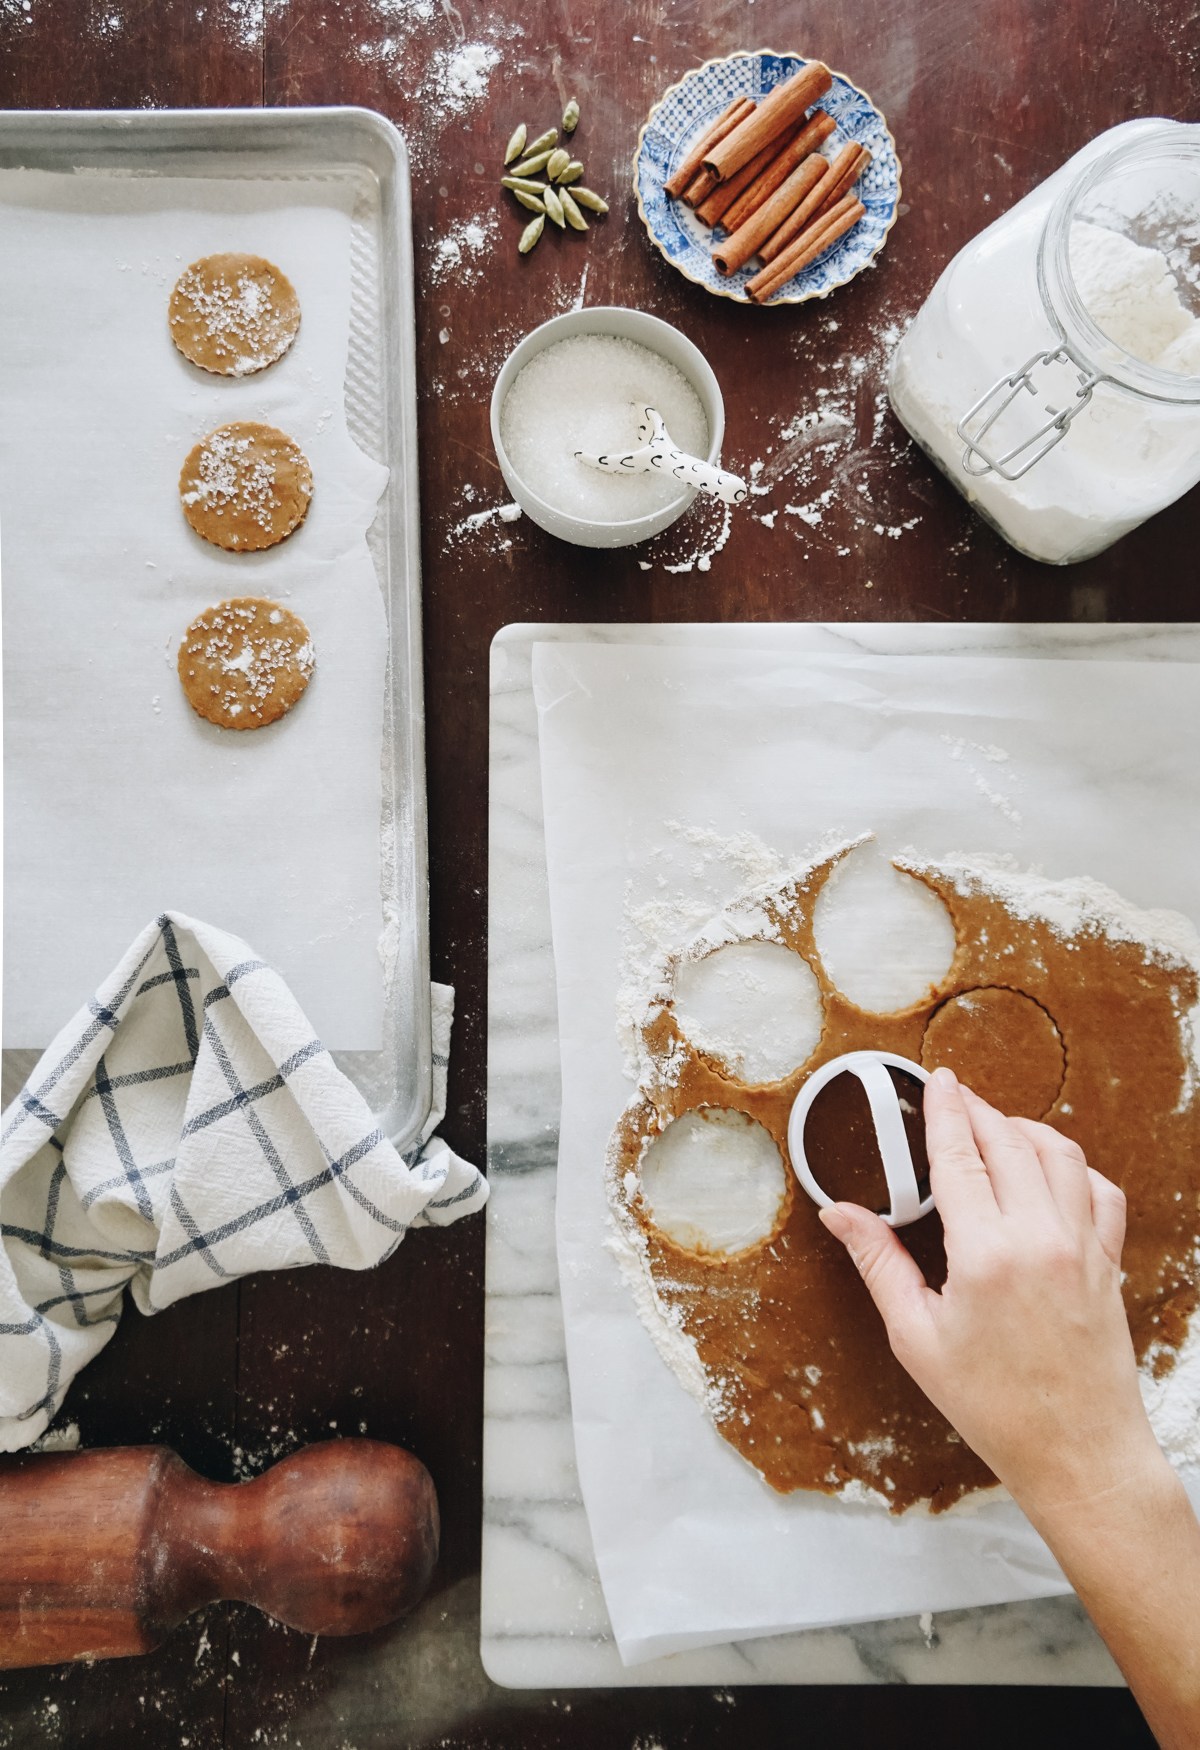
{"x":1026,"y":1350}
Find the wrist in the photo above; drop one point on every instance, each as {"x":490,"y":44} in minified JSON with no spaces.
{"x":1101,"y":1470}
{"x":1099,"y":1493}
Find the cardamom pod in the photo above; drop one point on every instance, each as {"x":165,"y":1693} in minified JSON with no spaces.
{"x":522,"y":183}
{"x":570,"y":117}
{"x":572,"y":173}
{"x":557,"y":163}
{"x":516,"y":144}
{"x":531,"y":233}
{"x":573,"y":215}
{"x":544,"y":140}
{"x":528,"y":200}
{"x":554,"y":208}
{"x":587,"y":197}
{"x":527,"y":166}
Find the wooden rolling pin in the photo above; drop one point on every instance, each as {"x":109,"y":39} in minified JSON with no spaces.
{"x":103,"y":1553}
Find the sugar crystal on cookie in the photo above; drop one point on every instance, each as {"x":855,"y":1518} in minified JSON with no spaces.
{"x":245,"y":663}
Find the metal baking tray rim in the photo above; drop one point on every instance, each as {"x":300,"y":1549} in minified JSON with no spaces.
{"x":398,"y":1082}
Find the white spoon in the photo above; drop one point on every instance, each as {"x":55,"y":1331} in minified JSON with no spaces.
{"x":657,"y":452}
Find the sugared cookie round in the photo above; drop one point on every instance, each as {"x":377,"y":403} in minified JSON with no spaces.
{"x":245,"y":662}
{"x":233,"y":314}
{"x":245,"y":487}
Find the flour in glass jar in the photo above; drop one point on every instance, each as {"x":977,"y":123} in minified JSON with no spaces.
{"x":584,"y":394}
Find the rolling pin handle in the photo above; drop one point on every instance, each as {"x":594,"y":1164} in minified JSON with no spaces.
{"x":104,"y":1552}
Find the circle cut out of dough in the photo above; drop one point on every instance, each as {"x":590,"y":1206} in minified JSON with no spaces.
{"x":714,"y":1181}
{"x":753,"y":1007}
{"x":245,"y":487}
{"x":233,"y":314}
{"x":884,"y":939}
{"x":1003,"y":1045}
{"x":245,"y":662}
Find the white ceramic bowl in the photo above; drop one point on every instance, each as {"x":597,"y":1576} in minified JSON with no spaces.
{"x":650,"y":332}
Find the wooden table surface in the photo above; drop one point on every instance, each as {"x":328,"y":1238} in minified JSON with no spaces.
{"x":985,"y":98}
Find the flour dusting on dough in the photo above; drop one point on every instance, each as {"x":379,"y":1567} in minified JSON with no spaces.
{"x":627,"y":1244}
{"x":675,"y":924}
{"x":1083,"y":907}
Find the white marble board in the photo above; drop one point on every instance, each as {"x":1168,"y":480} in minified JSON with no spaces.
{"x":543,"y":1620}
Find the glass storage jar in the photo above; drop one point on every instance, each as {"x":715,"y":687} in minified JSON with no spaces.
{"x":1067,"y":422}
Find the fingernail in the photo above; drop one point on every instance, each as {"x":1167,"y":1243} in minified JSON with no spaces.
{"x":837,"y":1221}
{"x":944,"y":1078}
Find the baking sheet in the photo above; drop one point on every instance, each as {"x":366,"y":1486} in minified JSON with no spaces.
{"x":692,"y":1548}
{"x":119,"y":801}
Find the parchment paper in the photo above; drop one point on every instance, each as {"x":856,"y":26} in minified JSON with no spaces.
{"x":1101,"y":780}
{"x":119,"y":801}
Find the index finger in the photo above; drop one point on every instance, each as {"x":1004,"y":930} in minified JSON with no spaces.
{"x":958,"y":1178}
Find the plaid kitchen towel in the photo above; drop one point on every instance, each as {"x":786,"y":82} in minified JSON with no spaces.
{"x":187,"y":1128}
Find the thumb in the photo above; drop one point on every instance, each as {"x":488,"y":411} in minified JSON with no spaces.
{"x":894,"y":1280}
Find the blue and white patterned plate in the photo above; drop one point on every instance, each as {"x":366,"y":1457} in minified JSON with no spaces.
{"x":682,"y":114}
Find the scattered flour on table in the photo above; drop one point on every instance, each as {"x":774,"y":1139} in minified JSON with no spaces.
{"x":452,"y":80}
{"x":824,"y":461}
{"x":240,"y":22}
{"x":237,"y":22}
{"x":709,"y":544}
{"x":405,"y":11}
{"x":468,"y":371}
{"x":827,"y":478}
{"x":495,"y":515}
{"x":459,"y":76}
{"x":461,"y":253}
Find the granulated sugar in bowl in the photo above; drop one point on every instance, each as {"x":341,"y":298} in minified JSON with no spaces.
{"x":576,"y":383}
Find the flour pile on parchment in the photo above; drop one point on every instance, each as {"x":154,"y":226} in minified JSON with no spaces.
{"x":1061,"y":1002}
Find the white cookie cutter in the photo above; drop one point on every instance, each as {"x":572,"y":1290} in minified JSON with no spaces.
{"x":871,"y":1068}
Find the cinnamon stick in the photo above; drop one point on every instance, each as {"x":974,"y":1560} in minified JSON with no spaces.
{"x":712,"y":210}
{"x":839,"y":174}
{"x":813,"y":242}
{"x":780,"y":110}
{"x":742,"y":243}
{"x":728,"y":119}
{"x":816,"y":130}
{"x":699,"y":188}
{"x":846,"y":183}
